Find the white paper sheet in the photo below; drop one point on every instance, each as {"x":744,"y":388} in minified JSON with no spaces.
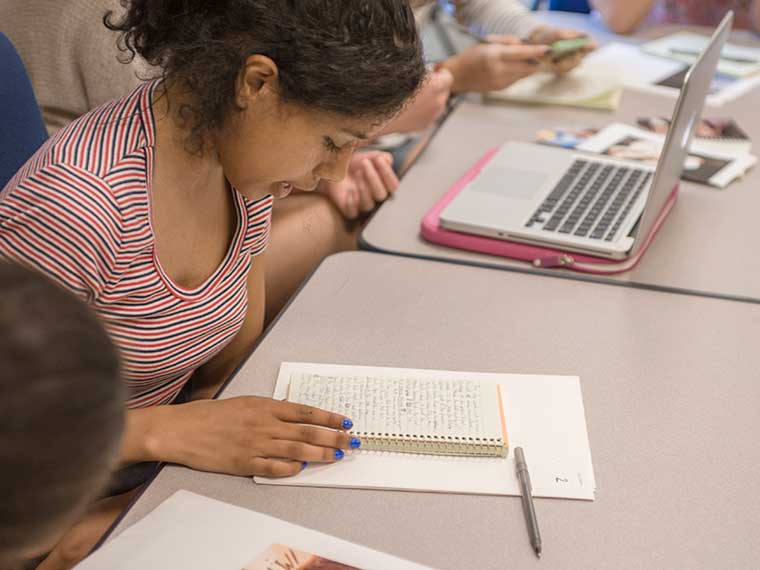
{"x":641,"y":71}
{"x":586,"y":86}
{"x":191,"y":532}
{"x":737,"y":61}
{"x":544,"y":415}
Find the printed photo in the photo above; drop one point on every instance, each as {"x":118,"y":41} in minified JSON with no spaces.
{"x":697,"y":168}
{"x":713,"y":128}
{"x":565,"y":137}
{"x":281,"y":557}
{"x":632,"y":148}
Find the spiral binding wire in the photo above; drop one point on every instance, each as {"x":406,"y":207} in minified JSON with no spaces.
{"x":433,"y":445}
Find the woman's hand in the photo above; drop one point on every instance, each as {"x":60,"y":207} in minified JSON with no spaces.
{"x":547,"y":36}
{"x":249,"y":436}
{"x":494,"y":65}
{"x":426,"y":106}
{"x":370,"y":180}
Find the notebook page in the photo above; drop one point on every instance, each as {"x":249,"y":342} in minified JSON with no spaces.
{"x":405,"y":405}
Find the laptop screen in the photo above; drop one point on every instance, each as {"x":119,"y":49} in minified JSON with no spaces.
{"x":687,"y":113}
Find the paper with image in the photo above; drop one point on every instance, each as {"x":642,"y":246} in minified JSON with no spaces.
{"x":716,"y":134}
{"x":653,"y":74}
{"x":703,"y":165}
{"x":281,"y":557}
{"x":192,"y":532}
{"x":565,"y":137}
{"x":735,"y":61}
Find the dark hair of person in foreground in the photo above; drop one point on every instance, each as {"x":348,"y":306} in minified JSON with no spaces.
{"x":61,"y":411}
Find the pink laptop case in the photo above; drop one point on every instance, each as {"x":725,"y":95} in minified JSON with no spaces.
{"x":432,"y":231}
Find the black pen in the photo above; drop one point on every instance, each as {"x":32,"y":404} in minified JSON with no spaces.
{"x":527,"y":500}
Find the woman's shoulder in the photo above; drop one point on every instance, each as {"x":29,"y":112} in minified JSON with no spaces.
{"x":98,"y":156}
{"x":103,"y":138}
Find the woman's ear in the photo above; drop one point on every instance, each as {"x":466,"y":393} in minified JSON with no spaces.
{"x":257,"y":74}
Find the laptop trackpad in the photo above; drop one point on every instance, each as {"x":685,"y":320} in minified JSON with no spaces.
{"x":510,"y":182}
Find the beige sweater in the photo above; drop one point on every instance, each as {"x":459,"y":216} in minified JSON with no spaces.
{"x":509,"y":17}
{"x":70,"y":56}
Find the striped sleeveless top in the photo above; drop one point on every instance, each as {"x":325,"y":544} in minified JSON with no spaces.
{"x":79,"y":212}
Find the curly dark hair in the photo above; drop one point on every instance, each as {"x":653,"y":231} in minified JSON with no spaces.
{"x":61,"y":408}
{"x":354,"y":58}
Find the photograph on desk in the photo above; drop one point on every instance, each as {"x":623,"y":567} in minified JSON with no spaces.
{"x":705,"y":164}
{"x":282,"y":557}
{"x":719,"y":134}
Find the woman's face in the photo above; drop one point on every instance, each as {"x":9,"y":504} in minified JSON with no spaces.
{"x":271,"y":147}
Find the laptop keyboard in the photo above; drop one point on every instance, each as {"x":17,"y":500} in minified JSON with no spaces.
{"x":591,"y":200}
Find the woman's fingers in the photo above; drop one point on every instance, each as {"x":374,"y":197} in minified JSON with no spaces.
{"x":302,"y":414}
{"x":351,"y":210}
{"x":366,"y":201}
{"x":317,"y":436}
{"x":375,"y":184}
{"x":275,"y":467}
{"x":384,"y":165}
{"x":299,"y":451}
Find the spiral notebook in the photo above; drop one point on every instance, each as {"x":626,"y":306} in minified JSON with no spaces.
{"x":543,"y":413}
{"x":410,"y":413}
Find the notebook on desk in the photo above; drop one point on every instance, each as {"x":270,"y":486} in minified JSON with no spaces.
{"x":543,"y":413}
{"x":408,"y":413}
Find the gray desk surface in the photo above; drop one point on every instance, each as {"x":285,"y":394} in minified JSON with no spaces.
{"x":707,"y":246}
{"x":671,"y":389}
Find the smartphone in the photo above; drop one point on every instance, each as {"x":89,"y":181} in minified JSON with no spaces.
{"x":562,"y":48}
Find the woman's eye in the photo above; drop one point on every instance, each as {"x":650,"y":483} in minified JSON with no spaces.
{"x":330,"y":145}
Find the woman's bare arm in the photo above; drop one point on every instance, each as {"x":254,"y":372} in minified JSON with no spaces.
{"x":623,"y":16}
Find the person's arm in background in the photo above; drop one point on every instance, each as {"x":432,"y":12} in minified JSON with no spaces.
{"x":754,"y":12}
{"x":498,"y":17}
{"x":623,"y":16}
{"x":505,"y":20}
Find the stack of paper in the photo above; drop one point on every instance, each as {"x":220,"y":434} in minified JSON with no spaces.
{"x":544,"y":415}
{"x":704,"y":165}
{"x":191,"y":532}
{"x":736,"y":61}
{"x":643,"y":71}
{"x":587,"y":86}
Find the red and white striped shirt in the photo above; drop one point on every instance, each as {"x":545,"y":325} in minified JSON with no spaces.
{"x":79,"y":212}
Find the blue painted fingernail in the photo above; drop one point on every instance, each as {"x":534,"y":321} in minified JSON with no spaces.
{"x":303,"y":465}
{"x":339,"y":454}
{"x":355,"y":443}
{"x":347,"y":424}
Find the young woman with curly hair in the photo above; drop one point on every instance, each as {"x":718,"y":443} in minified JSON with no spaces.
{"x":155,"y":210}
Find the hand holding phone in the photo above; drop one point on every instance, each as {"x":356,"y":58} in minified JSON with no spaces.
{"x":563,"y":48}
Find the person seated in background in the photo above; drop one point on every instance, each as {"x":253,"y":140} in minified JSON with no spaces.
{"x":516,"y":47}
{"x":72,"y":59}
{"x":624,"y":16}
{"x":61,"y":412}
{"x":155,"y":210}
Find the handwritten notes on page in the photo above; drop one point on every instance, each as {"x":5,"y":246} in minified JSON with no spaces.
{"x":400,"y":406}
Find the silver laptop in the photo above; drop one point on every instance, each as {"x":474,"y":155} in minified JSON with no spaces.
{"x":558,"y":198}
